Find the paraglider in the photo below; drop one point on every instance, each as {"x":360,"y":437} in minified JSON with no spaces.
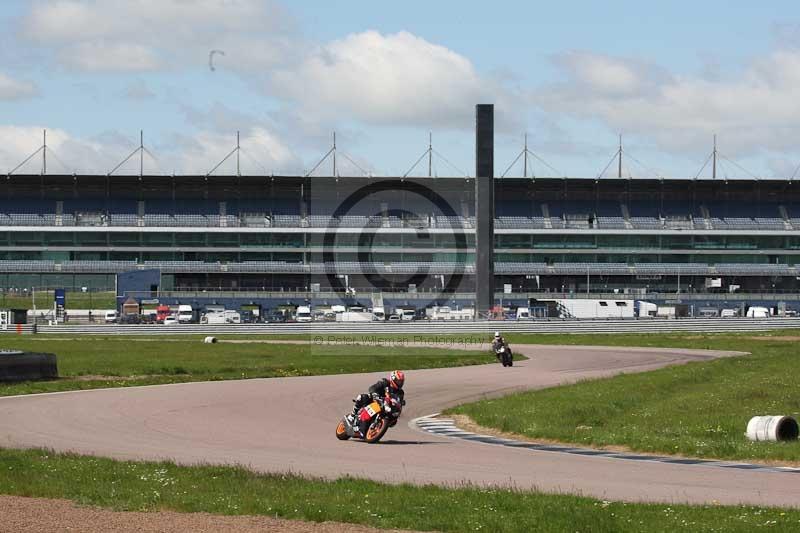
{"x":211,"y":58}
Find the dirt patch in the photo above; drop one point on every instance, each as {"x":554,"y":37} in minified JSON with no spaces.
{"x":766,"y":338}
{"x":35,"y":515}
{"x":100,"y":377}
{"x":466,"y":423}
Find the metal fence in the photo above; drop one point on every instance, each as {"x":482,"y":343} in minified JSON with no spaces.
{"x":483,"y":327}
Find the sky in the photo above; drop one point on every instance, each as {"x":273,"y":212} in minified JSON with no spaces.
{"x":572,"y":76}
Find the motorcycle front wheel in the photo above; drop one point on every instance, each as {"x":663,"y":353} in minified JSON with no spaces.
{"x":341,"y":431}
{"x":376,"y":431}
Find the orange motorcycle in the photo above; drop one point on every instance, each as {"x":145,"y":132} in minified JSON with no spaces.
{"x":380,"y":414}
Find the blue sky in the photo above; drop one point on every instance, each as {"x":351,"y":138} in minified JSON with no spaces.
{"x":571,"y":74}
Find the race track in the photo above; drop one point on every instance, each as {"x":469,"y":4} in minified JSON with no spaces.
{"x":287,"y":425}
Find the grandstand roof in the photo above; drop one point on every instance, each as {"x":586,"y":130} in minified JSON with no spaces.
{"x":254,"y":177}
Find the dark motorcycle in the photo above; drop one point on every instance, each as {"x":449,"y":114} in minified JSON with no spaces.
{"x":503,"y":353}
{"x":382,"y":413}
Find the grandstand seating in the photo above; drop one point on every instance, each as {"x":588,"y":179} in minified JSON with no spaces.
{"x":571,"y":219}
{"x":581,"y":227}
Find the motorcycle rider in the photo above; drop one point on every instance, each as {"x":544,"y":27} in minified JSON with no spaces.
{"x":391,"y":385}
{"x":498,"y":343}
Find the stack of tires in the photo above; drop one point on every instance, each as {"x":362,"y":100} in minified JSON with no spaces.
{"x":27,"y":366}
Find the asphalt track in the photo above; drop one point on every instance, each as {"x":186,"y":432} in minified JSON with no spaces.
{"x":287,"y":425}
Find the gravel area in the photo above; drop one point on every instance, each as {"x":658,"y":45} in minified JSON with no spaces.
{"x":35,"y":515}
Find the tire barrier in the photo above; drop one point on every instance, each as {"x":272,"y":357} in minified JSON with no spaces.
{"x":454,"y":327}
{"x":772,"y":428}
{"x":27,"y":366}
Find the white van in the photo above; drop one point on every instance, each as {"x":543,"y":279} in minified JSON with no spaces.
{"x":729,"y":313}
{"x":185,"y":314}
{"x":304,"y":314}
{"x":111,"y":317}
{"x":405,"y":314}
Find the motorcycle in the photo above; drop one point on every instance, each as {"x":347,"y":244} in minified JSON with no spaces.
{"x":503,"y":353}
{"x":382,"y":413}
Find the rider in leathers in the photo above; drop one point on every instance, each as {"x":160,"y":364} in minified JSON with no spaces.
{"x":392,"y":385}
{"x":498,"y":343}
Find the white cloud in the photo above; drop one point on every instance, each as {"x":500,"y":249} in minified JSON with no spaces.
{"x":19,"y":142}
{"x":364,"y":77}
{"x":389,"y":79}
{"x":147,"y":35}
{"x":754,"y":110}
{"x":11,"y":89}
{"x":99,"y":56}
{"x":262,"y":152}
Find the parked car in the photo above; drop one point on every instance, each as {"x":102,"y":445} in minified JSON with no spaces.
{"x":394,"y":318}
{"x":277,"y":318}
{"x":170,"y":320}
{"x":111,"y":317}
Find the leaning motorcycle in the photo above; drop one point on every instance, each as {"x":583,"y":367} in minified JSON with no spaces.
{"x":504,"y":354}
{"x":382,"y":413}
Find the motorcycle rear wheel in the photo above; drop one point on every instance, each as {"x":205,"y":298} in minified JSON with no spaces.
{"x":341,"y":431}
{"x":376,"y":431}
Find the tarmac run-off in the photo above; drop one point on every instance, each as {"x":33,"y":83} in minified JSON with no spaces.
{"x":287,"y":425}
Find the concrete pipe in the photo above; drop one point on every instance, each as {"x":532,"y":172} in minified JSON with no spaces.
{"x":210,"y":340}
{"x":772,"y":428}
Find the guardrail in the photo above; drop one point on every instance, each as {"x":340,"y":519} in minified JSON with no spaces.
{"x":699,"y":325}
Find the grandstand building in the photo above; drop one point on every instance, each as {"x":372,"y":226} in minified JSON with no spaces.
{"x":398,"y":236}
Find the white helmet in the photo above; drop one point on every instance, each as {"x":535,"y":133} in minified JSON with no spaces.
{"x":496,"y":334}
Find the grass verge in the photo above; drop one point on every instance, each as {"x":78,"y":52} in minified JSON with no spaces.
{"x":697,"y":410}
{"x":95,"y":362}
{"x":151,"y":486}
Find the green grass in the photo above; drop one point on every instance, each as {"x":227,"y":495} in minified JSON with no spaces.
{"x":94,"y":362}
{"x":44,"y":300}
{"x":698,"y":410}
{"x":150,"y":486}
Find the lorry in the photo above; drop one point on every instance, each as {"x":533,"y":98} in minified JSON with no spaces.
{"x":645,"y":309}
{"x":162,"y":312}
{"x":222,"y":317}
{"x":443,"y":312}
{"x":757,"y":312}
{"x":438,"y":313}
{"x":186,"y":314}
{"x":354,"y":316}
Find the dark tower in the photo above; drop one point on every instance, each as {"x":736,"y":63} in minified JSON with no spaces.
{"x":484,"y":207}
